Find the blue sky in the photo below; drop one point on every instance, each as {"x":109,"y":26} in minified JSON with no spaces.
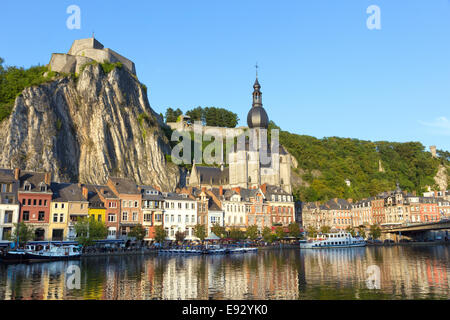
{"x":322,"y":71}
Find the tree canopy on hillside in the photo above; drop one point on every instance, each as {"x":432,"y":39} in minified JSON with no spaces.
{"x":215,"y":117}
{"x":327,"y":163}
{"x":12,"y":82}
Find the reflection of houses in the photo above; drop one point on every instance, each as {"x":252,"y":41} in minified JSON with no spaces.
{"x":35,"y":197}
{"x":9,"y":204}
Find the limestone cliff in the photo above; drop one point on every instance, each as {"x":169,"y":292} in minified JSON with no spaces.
{"x":441,"y":178}
{"x":88,"y":128}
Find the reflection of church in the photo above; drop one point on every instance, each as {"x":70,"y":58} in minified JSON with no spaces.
{"x":245,"y":168}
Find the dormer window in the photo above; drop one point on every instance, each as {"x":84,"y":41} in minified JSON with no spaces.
{"x":42,"y":187}
{"x":27,"y":186}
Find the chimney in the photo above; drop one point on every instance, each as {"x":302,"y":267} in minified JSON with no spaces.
{"x":350,"y":200}
{"x":221,"y":191}
{"x":16,"y":173}
{"x":204,"y":189}
{"x":85,"y":192}
{"x":414,"y":193}
{"x":264,"y":187}
{"x":48,"y":178}
{"x":177,"y":190}
{"x":335,"y":200}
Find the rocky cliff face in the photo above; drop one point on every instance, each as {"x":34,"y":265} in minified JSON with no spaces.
{"x":87,"y":129}
{"x":441,"y":178}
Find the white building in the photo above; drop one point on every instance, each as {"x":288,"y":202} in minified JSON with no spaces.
{"x":180,"y":215}
{"x":9,"y":205}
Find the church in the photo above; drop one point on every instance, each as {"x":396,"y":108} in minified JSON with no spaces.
{"x":245,"y":169}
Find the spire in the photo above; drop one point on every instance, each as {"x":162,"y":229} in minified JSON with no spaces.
{"x":257,"y":94}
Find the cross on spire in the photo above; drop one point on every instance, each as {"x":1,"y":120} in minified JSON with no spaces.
{"x":256,"y":66}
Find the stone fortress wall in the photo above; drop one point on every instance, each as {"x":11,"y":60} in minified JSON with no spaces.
{"x":85,"y":51}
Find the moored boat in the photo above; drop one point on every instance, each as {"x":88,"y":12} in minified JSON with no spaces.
{"x":333,"y":240}
{"x":51,"y":252}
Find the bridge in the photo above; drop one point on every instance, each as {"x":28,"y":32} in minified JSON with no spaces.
{"x":418,"y":227}
{"x":417,"y":231}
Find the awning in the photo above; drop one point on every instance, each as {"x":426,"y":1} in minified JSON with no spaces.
{"x":212,"y":236}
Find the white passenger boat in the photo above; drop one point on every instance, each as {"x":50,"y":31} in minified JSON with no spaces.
{"x":333,"y":240}
{"x":51,"y":252}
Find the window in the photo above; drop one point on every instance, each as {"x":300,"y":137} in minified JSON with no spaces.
{"x":56,"y":206}
{"x":27,"y":186}
{"x":34,"y":202}
{"x":61,"y":217}
{"x":111,"y":217}
{"x":136,"y":204}
{"x":179,"y":218}
{"x":41,"y":216}
{"x":158,"y":217}
{"x":193,"y":219}
{"x":124,"y":216}
{"x":179,"y":205}
{"x":8,"y":216}
{"x":62,"y":205}
{"x":148,"y":217}
{"x":99,"y":218}
{"x":29,"y":202}
{"x":26,"y":216}
{"x":40,"y":203}
{"x":55,"y":217}
{"x":45,"y":203}
{"x":135,"y":216}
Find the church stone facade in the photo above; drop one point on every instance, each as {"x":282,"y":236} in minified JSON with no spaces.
{"x":246,"y":170}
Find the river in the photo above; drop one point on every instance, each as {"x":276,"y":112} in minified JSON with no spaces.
{"x":397,"y":272}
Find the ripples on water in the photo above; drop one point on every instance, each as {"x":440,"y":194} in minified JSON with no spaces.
{"x":407,"y":272}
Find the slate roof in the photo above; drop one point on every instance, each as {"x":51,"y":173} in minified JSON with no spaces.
{"x":65,"y":192}
{"x":34,"y":178}
{"x":151,"y":197}
{"x":125,"y":186}
{"x":6,"y":175}
{"x":95,"y":202}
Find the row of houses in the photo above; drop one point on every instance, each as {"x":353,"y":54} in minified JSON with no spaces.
{"x":53,"y":209}
{"x":386,"y":209}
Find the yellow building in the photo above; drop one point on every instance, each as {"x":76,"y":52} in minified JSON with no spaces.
{"x":97,"y":210}
{"x":97,"y":214}
{"x":67,"y":206}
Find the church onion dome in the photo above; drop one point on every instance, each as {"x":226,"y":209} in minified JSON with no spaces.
{"x":257,"y":116}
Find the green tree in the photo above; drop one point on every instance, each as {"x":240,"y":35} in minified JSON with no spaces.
{"x":200,"y":232}
{"x":172,"y":115}
{"x":362,"y":232}
{"x":218,"y":230}
{"x":312,"y":231}
{"x":351,"y":231}
{"x":89,"y":230}
{"x":138,"y":232}
{"x":279,"y":232}
{"x":375,"y":231}
{"x":236,"y":233}
{"x":252,"y":232}
{"x":267,"y":234}
{"x":180,"y":236}
{"x":294,"y":230}
{"x":160,"y":234}
{"x":22,"y":233}
{"x":325,"y":229}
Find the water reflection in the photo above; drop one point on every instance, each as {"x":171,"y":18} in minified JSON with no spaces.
{"x":406,"y":272}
